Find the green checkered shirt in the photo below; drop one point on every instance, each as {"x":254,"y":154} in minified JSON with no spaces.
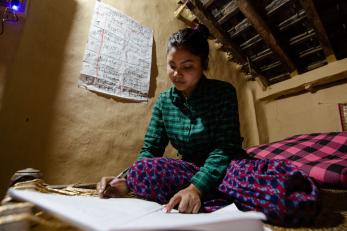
{"x":204,"y":129}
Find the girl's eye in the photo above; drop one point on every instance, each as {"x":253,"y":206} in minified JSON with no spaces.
{"x":187,"y":67}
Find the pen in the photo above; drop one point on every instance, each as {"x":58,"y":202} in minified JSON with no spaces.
{"x":123,"y":173}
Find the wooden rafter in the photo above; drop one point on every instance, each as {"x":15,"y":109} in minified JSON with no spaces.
{"x":198,"y":10}
{"x":208,"y":3}
{"x":313,"y":17}
{"x":261,"y":27}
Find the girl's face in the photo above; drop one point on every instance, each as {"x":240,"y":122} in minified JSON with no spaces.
{"x":184,"y":70}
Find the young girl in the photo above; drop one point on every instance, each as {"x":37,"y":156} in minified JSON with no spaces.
{"x":199,"y":117}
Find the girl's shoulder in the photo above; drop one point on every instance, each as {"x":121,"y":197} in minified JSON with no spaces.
{"x":219,"y":87}
{"x":166,"y":95}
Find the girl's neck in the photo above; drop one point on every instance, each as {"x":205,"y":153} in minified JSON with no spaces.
{"x":188,"y":92}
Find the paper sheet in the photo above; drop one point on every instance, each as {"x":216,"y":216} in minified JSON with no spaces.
{"x":92,"y":213}
{"x":117,"y":59}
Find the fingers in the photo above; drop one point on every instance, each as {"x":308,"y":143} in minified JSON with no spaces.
{"x":187,"y":202}
{"x":112,"y":187}
{"x":184,"y":206}
{"x":115,"y":181}
{"x":119,"y":187}
{"x":102,"y":186}
{"x":196,"y":207}
{"x":110,"y":192}
{"x":172,"y":203}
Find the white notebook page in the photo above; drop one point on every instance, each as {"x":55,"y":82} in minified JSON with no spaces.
{"x":92,"y":213}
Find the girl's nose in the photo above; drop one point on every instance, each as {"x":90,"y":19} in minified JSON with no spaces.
{"x":177,"y":73}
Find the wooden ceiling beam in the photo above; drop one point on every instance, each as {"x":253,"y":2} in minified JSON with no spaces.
{"x":208,"y":3}
{"x":262,"y":28}
{"x":314,"y":19}
{"x":198,"y":10}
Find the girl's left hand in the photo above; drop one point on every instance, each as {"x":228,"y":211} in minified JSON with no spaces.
{"x":188,"y":200}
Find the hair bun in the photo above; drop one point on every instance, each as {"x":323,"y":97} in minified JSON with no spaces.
{"x":203,"y":30}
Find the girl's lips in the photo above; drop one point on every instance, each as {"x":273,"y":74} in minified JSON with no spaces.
{"x":178,"y":82}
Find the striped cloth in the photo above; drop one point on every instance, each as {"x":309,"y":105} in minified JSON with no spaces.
{"x":323,"y":156}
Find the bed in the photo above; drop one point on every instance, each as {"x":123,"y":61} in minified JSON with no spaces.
{"x":323,"y":156}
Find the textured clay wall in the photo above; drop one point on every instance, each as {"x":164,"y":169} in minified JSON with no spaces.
{"x":304,"y":111}
{"x":300,"y":114}
{"x":70,"y":134}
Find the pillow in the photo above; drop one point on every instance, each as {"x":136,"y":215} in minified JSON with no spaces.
{"x":323,"y":156}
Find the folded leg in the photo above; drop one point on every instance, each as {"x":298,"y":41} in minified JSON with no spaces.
{"x":277,"y":188}
{"x":158,"y":179}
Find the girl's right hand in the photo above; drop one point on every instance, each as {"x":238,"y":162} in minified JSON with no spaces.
{"x":110,"y":186}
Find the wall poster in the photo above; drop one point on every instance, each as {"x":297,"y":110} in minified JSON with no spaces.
{"x":118,"y":55}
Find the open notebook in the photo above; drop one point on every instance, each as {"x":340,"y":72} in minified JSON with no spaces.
{"x":92,"y":213}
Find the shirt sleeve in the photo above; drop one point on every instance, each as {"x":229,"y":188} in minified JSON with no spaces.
{"x":156,"y":138}
{"x":227,"y":142}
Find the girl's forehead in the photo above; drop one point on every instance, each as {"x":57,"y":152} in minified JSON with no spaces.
{"x":180,"y":53}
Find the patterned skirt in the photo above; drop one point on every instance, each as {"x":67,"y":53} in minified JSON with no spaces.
{"x":277,"y":188}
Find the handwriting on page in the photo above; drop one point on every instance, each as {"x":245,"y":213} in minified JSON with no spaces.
{"x":117,"y":59}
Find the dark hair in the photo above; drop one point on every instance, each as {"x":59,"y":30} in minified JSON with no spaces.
{"x":193,"y":40}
